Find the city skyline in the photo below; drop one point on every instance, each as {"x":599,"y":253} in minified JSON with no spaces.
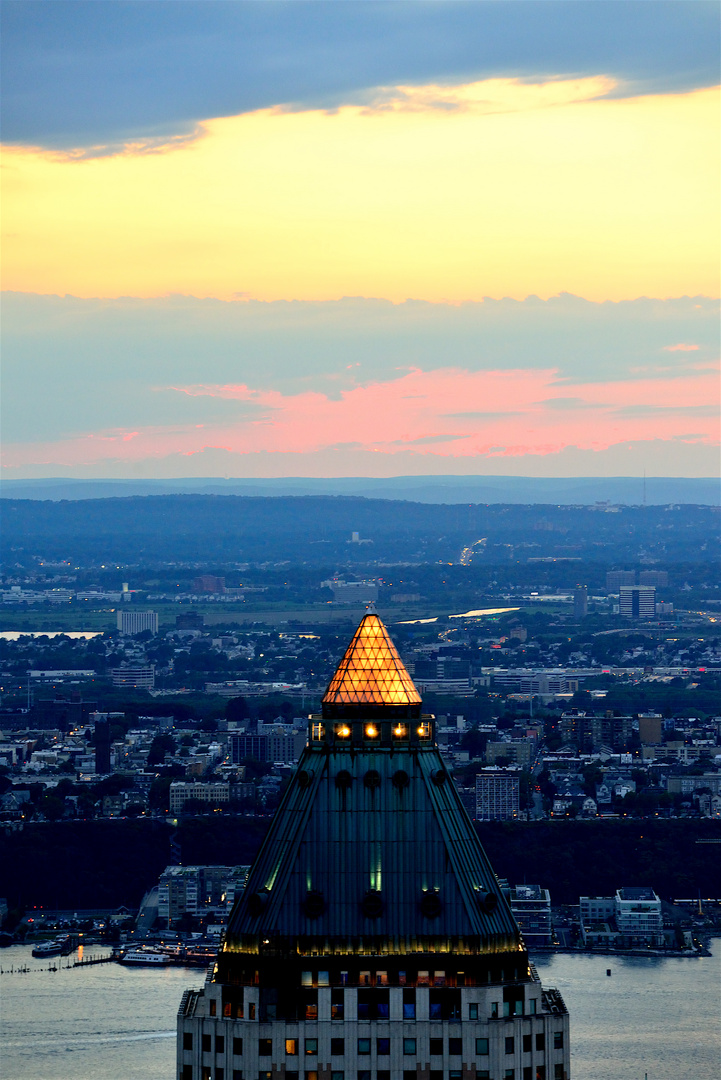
{"x":361,"y":239}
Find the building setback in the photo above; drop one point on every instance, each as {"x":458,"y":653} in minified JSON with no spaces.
{"x":372,"y":941}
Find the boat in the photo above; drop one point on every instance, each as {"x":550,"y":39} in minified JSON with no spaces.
{"x":144,"y":956}
{"x":59,"y":946}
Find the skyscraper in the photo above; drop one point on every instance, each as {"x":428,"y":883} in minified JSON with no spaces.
{"x":372,"y":941}
{"x":580,"y":602}
{"x":638,"y":601}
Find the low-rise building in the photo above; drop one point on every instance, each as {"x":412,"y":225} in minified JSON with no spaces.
{"x":213,"y":794}
{"x":531,"y":906}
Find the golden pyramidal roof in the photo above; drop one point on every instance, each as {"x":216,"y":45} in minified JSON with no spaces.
{"x":371,"y":672}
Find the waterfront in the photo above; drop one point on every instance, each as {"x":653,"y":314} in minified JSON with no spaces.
{"x":653,"y":1015}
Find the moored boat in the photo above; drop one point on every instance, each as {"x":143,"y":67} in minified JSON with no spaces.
{"x":145,"y":956}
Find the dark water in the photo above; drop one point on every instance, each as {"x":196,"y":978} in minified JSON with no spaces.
{"x":656,"y":1016}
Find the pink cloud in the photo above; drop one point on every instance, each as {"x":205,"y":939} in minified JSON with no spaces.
{"x":449,"y":413}
{"x":680,"y":348}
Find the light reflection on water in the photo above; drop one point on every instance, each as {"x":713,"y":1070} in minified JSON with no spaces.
{"x":653,"y":1015}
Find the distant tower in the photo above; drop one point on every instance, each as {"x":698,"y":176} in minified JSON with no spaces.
{"x":580,"y":602}
{"x":372,"y":940}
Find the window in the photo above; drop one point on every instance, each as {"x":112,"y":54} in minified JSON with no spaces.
{"x":323,"y":978}
{"x":265,"y":1047}
{"x":483,"y":1074}
{"x":436,"y":1074}
{"x":220,"y":1044}
{"x":337,"y":1047}
{"x":311,"y":1047}
{"x":436,"y":1047}
{"x":409,"y":1046}
{"x":473,"y":1011}
{"x":364,"y":1046}
{"x":310,"y":1002}
{"x":364,"y":1074}
{"x":532,"y":1006}
{"x":455,"y":1046}
{"x":187,"y":1040}
{"x":238,"y":1074}
{"x":335,"y":1075}
{"x":527,"y":1044}
{"x":540,"y":1072}
{"x":212,"y":1006}
{"x":409,"y":1074}
{"x":455,"y":1074}
{"x":205,"y":1073}
{"x":528,"y":1072}
{"x":312,"y":1075}
{"x":336,"y":1004}
{"x":558,"y":1040}
{"x":251,"y":1010}
{"x":558,"y":1072}
{"x":291,"y":1047}
{"x":265,"y":1076}
{"x":383,"y":1047}
{"x":494,"y":1008}
{"x":540,"y":1041}
{"x":291,"y":1074}
{"x":383,"y":1074}
{"x":220,"y":1074}
{"x":205,"y":1043}
{"x":409,"y":1004}
{"x":237,"y":1047}
{"x":510,"y":1044}
{"x":482,"y":1046}
{"x":509,"y":1074}
{"x":186,"y":1073}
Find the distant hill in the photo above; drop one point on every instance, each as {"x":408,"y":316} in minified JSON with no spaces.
{"x":318,"y":529}
{"x":575,"y":490}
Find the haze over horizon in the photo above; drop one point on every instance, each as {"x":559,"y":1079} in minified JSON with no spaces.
{"x":362,"y":239}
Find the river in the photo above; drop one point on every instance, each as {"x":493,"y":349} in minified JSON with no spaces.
{"x":652,"y":1016}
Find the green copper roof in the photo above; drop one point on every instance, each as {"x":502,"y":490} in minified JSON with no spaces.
{"x":372,"y":850}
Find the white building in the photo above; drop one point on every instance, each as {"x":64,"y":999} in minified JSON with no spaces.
{"x":181,"y":791}
{"x":135,"y":622}
{"x":497,"y":795}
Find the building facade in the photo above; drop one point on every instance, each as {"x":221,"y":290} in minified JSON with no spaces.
{"x":372,"y":940}
{"x":637,"y":601}
{"x":135,"y":622}
{"x":497,"y":795}
{"x":531,"y":907}
{"x":182,"y":791}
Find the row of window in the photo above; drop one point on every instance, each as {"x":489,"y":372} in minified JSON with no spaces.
{"x":399,"y":978}
{"x":379,"y":1009}
{"x":529,"y":1072}
{"x":383,"y":1046}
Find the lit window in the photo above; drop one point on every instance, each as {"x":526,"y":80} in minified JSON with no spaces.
{"x":424,"y":731}
{"x":342,"y":731}
{"x":291,"y":1046}
{"x":323,"y":978}
{"x":306,"y":978}
{"x":400,"y":731}
{"x":316,"y":731}
{"x":311,"y":1046}
{"x":409,"y":1046}
{"x":371,"y":731}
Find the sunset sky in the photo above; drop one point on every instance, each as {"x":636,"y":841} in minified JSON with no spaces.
{"x":328,"y":239}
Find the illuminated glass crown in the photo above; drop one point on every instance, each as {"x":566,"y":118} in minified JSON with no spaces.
{"x":371,"y":673}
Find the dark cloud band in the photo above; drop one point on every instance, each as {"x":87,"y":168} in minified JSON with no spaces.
{"x":77,"y":74}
